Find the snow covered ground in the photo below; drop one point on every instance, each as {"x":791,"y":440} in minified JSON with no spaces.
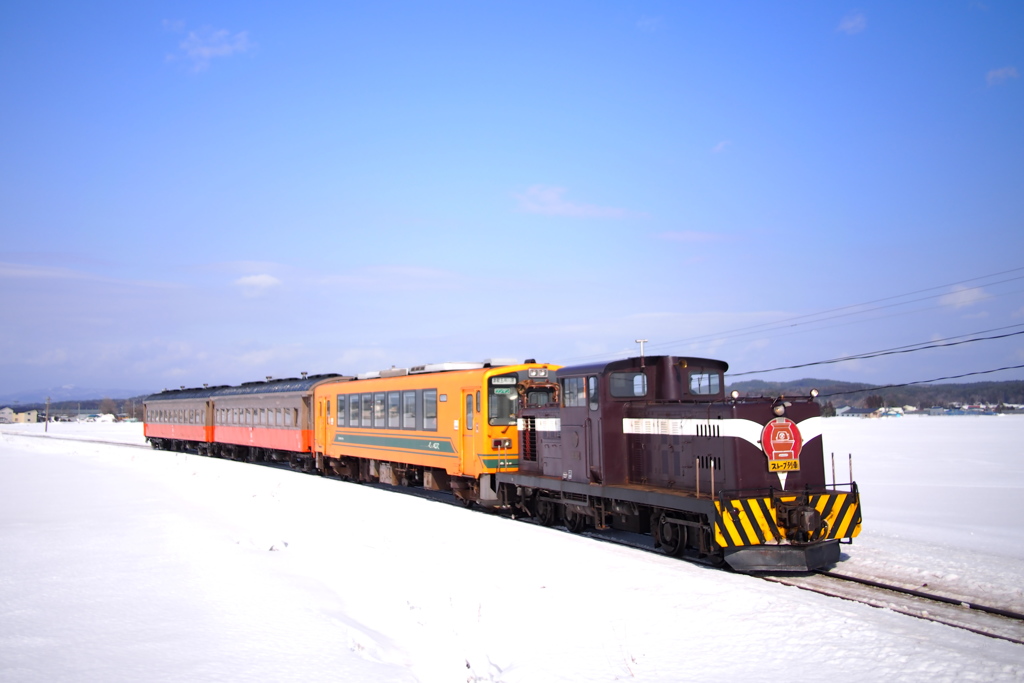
{"x":124,"y":564}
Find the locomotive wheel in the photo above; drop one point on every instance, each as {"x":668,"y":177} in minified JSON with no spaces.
{"x":574,"y":520}
{"x":547,"y":512}
{"x":672,"y":537}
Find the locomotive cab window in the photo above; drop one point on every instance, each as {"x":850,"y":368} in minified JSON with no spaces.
{"x":627,"y":384}
{"x":502,"y":400}
{"x":704,"y":383}
{"x":574,"y":392}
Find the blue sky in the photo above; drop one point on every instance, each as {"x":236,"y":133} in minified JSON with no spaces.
{"x":216,"y":192}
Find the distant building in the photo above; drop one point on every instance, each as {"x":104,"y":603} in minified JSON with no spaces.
{"x":847,"y":411}
{"x":30,"y":416}
{"x":6,"y":416}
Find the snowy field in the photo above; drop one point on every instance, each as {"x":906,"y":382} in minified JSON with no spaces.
{"x":125,"y":564}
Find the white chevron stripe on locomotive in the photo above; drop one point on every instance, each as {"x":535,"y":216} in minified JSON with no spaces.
{"x":748,"y":430}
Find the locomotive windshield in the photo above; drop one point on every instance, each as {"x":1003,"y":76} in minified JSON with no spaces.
{"x":502,"y":400}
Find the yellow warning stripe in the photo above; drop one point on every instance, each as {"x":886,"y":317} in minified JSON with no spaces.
{"x":752,"y":521}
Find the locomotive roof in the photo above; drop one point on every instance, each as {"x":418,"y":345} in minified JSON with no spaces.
{"x":274,"y":386}
{"x":648,"y":361}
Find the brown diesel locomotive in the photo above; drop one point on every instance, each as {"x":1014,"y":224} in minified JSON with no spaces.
{"x":654,"y":445}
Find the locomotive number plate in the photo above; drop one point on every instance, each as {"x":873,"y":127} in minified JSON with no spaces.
{"x":783,"y":465}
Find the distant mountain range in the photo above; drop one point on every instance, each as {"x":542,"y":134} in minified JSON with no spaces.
{"x":857,"y":394}
{"x":21,"y":399}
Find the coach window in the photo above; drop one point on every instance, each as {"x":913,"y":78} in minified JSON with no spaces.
{"x":627,"y":384}
{"x":366,"y":409}
{"x":379,"y":410}
{"x":353,"y":410}
{"x":478,"y":401}
{"x":287,"y":417}
{"x":592,"y":392}
{"x":394,"y":414}
{"x":469,"y":412}
{"x":430,"y":410}
{"x":342,"y":412}
{"x":408,"y":410}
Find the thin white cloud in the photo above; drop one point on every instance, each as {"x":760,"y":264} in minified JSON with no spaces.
{"x":549,"y":201}
{"x":20,"y":271}
{"x":961,"y":297}
{"x":691,"y":236}
{"x":998,"y":76}
{"x":853,"y":23}
{"x":256,"y":285}
{"x":720,"y":147}
{"x":650,"y":24}
{"x":205,"y":44}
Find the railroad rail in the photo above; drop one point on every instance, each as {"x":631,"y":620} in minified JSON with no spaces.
{"x":993,"y":622}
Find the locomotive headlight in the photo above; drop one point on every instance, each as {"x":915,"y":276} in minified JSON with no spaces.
{"x":735,"y":394}
{"x":814,"y":393}
{"x":779,"y":409}
{"x":538,"y":372}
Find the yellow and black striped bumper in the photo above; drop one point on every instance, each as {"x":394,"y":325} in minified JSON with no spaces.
{"x":753,"y":521}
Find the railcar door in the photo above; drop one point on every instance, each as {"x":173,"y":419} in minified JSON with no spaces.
{"x":469,"y":429}
{"x":322,"y":419}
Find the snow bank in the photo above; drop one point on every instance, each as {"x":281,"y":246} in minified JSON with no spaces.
{"x":125,"y":564}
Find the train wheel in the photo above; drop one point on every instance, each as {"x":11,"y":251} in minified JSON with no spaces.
{"x":672,"y":537}
{"x":547,"y":512}
{"x":575,"y":521}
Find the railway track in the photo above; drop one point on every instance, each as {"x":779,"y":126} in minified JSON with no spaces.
{"x":993,"y":622}
{"x":985,"y":620}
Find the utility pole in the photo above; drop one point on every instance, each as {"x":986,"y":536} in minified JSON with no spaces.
{"x":47,"y":427}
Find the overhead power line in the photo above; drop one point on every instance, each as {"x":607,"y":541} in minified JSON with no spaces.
{"x":819,"y":317}
{"x":909,"y":348}
{"x":923,"y":381}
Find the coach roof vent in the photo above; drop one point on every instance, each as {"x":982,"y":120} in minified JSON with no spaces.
{"x":443,"y":367}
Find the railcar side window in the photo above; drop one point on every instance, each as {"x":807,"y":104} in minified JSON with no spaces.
{"x":288,"y":417}
{"x":408,"y":410}
{"x":702,"y":383}
{"x":592,"y":392}
{"x":627,"y":384}
{"x":393,"y":409}
{"x":367,"y":410}
{"x":469,"y":412}
{"x":353,"y":410}
{"x":342,"y":412}
{"x":430,"y":409}
{"x":379,"y":411}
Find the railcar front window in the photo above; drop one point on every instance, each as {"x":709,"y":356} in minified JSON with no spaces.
{"x":502,"y":400}
{"x":703,"y":383}
{"x":627,"y":384}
